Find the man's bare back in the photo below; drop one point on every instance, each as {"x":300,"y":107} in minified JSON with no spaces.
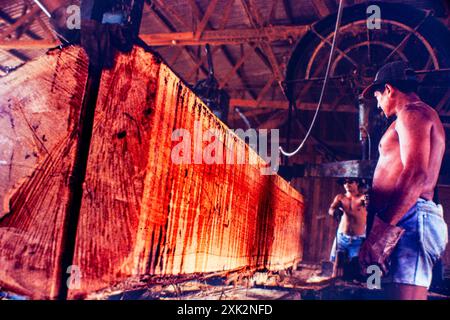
{"x":425,"y":124}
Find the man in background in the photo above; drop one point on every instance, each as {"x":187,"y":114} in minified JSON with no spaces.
{"x":349,"y":210}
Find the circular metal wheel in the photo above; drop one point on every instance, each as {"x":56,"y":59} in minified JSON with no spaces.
{"x":406,"y":33}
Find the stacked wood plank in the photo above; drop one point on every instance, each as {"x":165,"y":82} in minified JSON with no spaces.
{"x":140,"y":212}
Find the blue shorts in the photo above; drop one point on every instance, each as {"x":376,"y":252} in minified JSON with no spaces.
{"x":349,"y":244}
{"x":421,"y":245}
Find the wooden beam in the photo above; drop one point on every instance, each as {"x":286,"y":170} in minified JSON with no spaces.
{"x":198,"y":13}
{"x":249,"y":113}
{"x":46,"y":28}
{"x":288,"y":10}
{"x":202,"y":25}
{"x":226,"y":14}
{"x":160,"y":5}
{"x":157,"y":12}
{"x":212,"y":37}
{"x":175,"y":57}
{"x":266,"y":88}
{"x":255,"y":19}
{"x":23,"y":19}
{"x":200,"y":63}
{"x":8,"y":19}
{"x":226,"y":37}
{"x":274,"y":104}
{"x":273,"y":11}
{"x":443,"y":101}
{"x":321,"y":8}
{"x":236,"y":67}
{"x":275,"y":121}
{"x":29,"y":44}
{"x":222,"y":25}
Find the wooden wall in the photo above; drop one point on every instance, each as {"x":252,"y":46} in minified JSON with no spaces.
{"x":319,"y":229}
{"x":140,"y":213}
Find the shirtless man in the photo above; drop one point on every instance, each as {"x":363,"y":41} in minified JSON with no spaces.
{"x":352,"y":226}
{"x":408,"y":225}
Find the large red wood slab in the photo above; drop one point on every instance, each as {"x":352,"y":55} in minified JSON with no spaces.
{"x":141,"y":213}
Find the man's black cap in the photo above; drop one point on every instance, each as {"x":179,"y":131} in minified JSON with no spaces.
{"x":342,"y":181}
{"x":397,"y":71}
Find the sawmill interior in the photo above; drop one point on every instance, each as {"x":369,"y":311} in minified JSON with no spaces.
{"x":122,"y":123}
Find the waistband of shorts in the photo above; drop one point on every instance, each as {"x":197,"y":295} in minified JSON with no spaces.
{"x":363,"y":236}
{"x":430,"y":207}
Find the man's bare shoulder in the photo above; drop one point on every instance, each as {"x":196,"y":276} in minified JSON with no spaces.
{"x":416,"y":115}
{"x":339,"y":197}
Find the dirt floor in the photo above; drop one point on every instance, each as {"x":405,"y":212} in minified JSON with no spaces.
{"x":307,"y":282}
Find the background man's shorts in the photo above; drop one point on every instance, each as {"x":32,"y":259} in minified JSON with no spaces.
{"x":349,"y":244}
{"x":421,"y":245}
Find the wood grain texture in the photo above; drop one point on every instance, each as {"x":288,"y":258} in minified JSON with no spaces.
{"x":39,"y":107}
{"x":143,"y":214}
{"x":140,"y":213}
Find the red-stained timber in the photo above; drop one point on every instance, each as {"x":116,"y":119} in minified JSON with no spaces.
{"x":140,"y":213}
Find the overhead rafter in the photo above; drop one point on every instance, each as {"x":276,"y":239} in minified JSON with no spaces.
{"x":204,"y":21}
{"x":275,"y":121}
{"x":321,"y":8}
{"x":21,"y":26}
{"x":29,"y":44}
{"x":10,"y":20}
{"x":157,"y":12}
{"x":222,"y":24}
{"x":200,"y":63}
{"x":196,"y":10}
{"x":236,"y":67}
{"x":443,"y":101}
{"x":288,"y":10}
{"x":250,"y":113}
{"x":30,"y":15}
{"x":274,"y":104}
{"x":226,"y":37}
{"x":256,"y":21}
{"x":266,"y":88}
{"x":212,"y":37}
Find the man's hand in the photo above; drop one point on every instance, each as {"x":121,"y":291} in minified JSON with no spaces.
{"x":365,"y":202}
{"x":379,"y":245}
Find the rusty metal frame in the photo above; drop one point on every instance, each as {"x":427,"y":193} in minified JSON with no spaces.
{"x":363,"y":22}
{"x":361,"y":44}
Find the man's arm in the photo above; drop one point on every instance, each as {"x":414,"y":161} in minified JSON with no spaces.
{"x":414,"y":130}
{"x":335,"y":204}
